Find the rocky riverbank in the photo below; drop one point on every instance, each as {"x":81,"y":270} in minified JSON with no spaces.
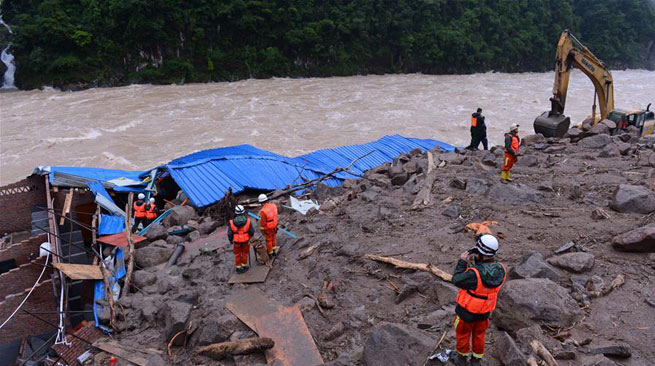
{"x":576,"y":232}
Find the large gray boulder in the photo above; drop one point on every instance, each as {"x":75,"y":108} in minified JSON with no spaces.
{"x":631,"y":198}
{"x":392,"y":344}
{"x":575,"y":262}
{"x":600,"y":128}
{"x":156,"y":232}
{"x":514,"y":194}
{"x":143,"y":279}
{"x":508,"y":352}
{"x":151,"y":256}
{"x":595,"y":142}
{"x":524,"y":302}
{"x":180,"y":215}
{"x":177,"y":315}
{"x":637,"y":240}
{"x":533,"y":265}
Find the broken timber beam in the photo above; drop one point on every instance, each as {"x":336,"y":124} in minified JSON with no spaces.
{"x":543,"y":352}
{"x":409,"y":265}
{"x":245,"y":346}
{"x":424,"y":196}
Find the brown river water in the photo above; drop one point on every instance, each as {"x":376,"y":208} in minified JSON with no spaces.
{"x":141,"y":126}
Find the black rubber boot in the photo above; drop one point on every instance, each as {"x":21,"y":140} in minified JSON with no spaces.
{"x":476,"y":361}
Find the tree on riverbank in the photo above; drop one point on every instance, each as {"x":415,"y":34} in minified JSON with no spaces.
{"x":114,"y":42}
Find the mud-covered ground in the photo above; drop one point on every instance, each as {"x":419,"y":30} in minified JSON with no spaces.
{"x":557,"y":185}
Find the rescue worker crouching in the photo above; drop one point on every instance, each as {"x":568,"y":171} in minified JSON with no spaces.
{"x":268,"y":220}
{"x":140,"y":215}
{"x":239,"y":233}
{"x":512,"y":151}
{"x":479,"y":276}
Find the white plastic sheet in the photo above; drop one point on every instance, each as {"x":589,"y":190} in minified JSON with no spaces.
{"x":303,"y":206}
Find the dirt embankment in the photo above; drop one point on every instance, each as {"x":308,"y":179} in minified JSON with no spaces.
{"x":562,"y":192}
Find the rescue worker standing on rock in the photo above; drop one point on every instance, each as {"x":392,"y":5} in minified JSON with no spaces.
{"x":512,"y":150}
{"x":478,"y":131}
{"x":479,"y":276}
{"x":239,"y":233}
{"x":140,"y":215}
{"x":268,"y":224}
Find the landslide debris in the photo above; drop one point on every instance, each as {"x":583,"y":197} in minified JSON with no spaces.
{"x":588,"y":305}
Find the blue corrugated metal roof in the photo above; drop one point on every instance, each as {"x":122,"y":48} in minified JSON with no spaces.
{"x":100,"y":174}
{"x":110,"y":224}
{"x":206,"y":176}
{"x":97,"y":188}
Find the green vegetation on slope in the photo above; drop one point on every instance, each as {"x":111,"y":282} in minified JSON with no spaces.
{"x":113,"y":42}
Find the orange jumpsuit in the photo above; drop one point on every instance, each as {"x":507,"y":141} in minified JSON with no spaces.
{"x":268,"y":226}
{"x":241,"y":239}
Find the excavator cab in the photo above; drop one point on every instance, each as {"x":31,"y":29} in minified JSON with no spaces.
{"x":644,"y":120}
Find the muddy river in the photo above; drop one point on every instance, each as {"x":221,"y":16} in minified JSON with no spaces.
{"x":141,"y":126}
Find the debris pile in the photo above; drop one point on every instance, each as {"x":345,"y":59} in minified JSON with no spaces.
{"x":365,"y":282}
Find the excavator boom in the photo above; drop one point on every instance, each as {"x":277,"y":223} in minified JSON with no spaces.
{"x":571,"y":53}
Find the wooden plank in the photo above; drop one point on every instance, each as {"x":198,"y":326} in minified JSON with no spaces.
{"x":256,"y":274}
{"x":120,"y":239}
{"x":67,"y":207}
{"x":294,"y":344}
{"x":250,"y":304}
{"x":80,"y":271}
{"x":130,"y":354}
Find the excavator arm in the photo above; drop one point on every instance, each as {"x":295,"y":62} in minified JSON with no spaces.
{"x":571,"y":53}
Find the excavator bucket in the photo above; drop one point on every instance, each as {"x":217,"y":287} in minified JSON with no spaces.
{"x":552,"y":125}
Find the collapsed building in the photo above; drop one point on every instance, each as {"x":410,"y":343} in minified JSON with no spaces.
{"x":62,"y":225}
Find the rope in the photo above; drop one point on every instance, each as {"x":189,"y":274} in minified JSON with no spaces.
{"x":28,"y":294}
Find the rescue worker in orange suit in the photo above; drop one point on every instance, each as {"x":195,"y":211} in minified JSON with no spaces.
{"x":478,"y":131}
{"x":268,"y":224}
{"x":140,"y":215}
{"x":239,"y":233}
{"x":479,"y":276}
{"x":151,"y":211}
{"x":512,"y":150}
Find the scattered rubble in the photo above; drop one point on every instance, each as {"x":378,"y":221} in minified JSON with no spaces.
{"x":412,"y":213}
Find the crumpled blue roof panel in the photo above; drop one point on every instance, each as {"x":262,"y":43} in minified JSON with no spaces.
{"x":97,"y":188}
{"x":100,"y":174}
{"x":206,"y":176}
{"x":206,"y":183}
{"x":221,"y":153}
{"x":110,"y":224}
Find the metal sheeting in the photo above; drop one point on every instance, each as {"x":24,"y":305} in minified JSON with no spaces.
{"x":206,"y":176}
{"x":97,"y":188}
{"x":80,"y":176}
{"x":207,"y":182}
{"x":110,"y":224}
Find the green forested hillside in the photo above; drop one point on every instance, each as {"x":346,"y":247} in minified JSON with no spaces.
{"x":113,"y":42}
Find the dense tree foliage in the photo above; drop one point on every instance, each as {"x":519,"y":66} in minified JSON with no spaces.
{"x":113,"y":42}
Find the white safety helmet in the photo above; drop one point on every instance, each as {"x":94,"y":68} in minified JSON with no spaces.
{"x":239,"y":210}
{"x":514,"y":127}
{"x":487,"y":245}
{"x":262,"y":198}
{"x":152,"y":199}
{"x":141,"y":196}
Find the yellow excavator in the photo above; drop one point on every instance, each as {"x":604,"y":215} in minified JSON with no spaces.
{"x":572,"y":53}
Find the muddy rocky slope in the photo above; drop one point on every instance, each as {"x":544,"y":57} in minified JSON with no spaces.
{"x":589,"y":192}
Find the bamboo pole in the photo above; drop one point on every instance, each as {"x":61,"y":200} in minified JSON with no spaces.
{"x":130,"y":243}
{"x":409,"y":265}
{"x":110,"y":294}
